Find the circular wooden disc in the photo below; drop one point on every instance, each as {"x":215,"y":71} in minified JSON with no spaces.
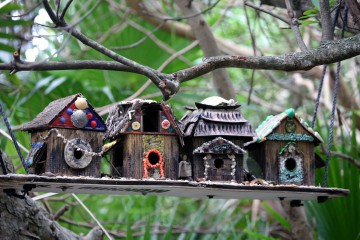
{"x":75,"y":153}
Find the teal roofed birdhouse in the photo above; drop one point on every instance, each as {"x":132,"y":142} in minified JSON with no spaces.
{"x":66,"y":139}
{"x":284,"y":149}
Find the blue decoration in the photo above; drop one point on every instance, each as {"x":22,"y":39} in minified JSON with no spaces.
{"x":69,"y":111}
{"x":62,"y":120}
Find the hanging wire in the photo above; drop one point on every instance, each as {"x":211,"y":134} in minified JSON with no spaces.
{"x":334,"y":104}
{"x":13,"y":139}
{"x":317,"y":102}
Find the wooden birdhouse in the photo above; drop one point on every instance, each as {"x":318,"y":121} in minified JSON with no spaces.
{"x":66,"y":139}
{"x":284,"y":149}
{"x":214,"y":133}
{"x":146,"y":138}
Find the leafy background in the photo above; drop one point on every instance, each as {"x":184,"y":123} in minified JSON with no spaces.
{"x":25,"y":94}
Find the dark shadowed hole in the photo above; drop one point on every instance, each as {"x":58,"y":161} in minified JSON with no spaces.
{"x":78,"y":154}
{"x":154,"y":158}
{"x":290,"y":164}
{"x":218,"y":163}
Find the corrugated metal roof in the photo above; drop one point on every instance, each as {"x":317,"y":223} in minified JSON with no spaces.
{"x":216,"y":121}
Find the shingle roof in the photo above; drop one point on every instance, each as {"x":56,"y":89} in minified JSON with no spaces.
{"x":43,"y":119}
{"x":120,"y":115}
{"x":219,"y":145}
{"x":52,"y":112}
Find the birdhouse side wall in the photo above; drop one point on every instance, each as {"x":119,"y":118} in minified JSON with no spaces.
{"x":56,"y":158}
{"x":39,"y":164}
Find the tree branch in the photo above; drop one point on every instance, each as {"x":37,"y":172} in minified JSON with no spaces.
{"x":330,"y":52}
{"x":166,"y":86}
{"x":326,"y":23}
{"x":203,"y":34}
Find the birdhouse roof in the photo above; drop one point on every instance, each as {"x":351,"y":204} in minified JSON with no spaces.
{"x":219,"y":145}
{"x":221,"y":119}
{"x":273,"y":121}
{"x":58,"y":114}
{"x":120,"y":116}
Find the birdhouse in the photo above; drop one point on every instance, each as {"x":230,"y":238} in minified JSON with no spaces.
{"x":146,"y":139}
{"x":284,"y":149}
{"x":214,"y":133}
{"x":66,"y":139}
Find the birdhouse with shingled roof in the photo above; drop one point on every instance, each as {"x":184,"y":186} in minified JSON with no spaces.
{"x":214,"y":133}
{"x":66,"y":139}
{"x":145,"y":139}
{"x":284,"y":149}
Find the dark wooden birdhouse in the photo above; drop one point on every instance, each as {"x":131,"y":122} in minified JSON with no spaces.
{"x":146,"y":140}
{"x":214,"y":133}
{"x":284,"y":149}
{"x":66,"y":139}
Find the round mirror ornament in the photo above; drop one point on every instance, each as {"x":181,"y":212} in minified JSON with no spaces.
{"x":79,"y":118}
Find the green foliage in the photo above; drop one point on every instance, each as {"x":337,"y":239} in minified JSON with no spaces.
{"x":24,"y":95}
{"x":339,"y":218}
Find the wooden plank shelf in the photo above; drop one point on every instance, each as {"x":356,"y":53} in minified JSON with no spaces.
{"x":177,"y":188}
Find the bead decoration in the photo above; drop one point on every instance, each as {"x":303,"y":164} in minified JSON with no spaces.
{"x":81,"y":103}
{"x":62,"y":120}
{"x":69,"y":111}
{"x":93,"y":124}
{"x":59,"y":135}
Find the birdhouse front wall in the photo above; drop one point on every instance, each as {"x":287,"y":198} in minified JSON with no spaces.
{"x":76,"y":163}
{"x":284,"y":134}
{"x":148,"y":156}
{"x":217,"y":167}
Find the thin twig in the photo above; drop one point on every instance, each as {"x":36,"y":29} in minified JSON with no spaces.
{"x":92,"y":216}
{"x":271,"y":13}
{"x":184,"y":17}
{"x":2,"y":132}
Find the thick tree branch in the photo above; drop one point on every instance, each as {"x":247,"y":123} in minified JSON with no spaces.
{"x":68,"y":65}
{"x":330,"y":52}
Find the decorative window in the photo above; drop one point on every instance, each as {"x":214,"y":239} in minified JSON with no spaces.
{"x":291,"y":164}
{"x":153,"y":161}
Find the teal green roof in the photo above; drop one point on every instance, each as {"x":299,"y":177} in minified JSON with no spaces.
{"x":273,"y":121}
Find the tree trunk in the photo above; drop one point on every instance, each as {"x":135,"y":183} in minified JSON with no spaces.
{"x":24,"y":219}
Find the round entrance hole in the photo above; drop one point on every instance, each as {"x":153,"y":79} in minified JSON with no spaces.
{"x":218,"y":163}
{"x":78,"y":154}
{"x":154,"y":158}
{"x":290,"y":164}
